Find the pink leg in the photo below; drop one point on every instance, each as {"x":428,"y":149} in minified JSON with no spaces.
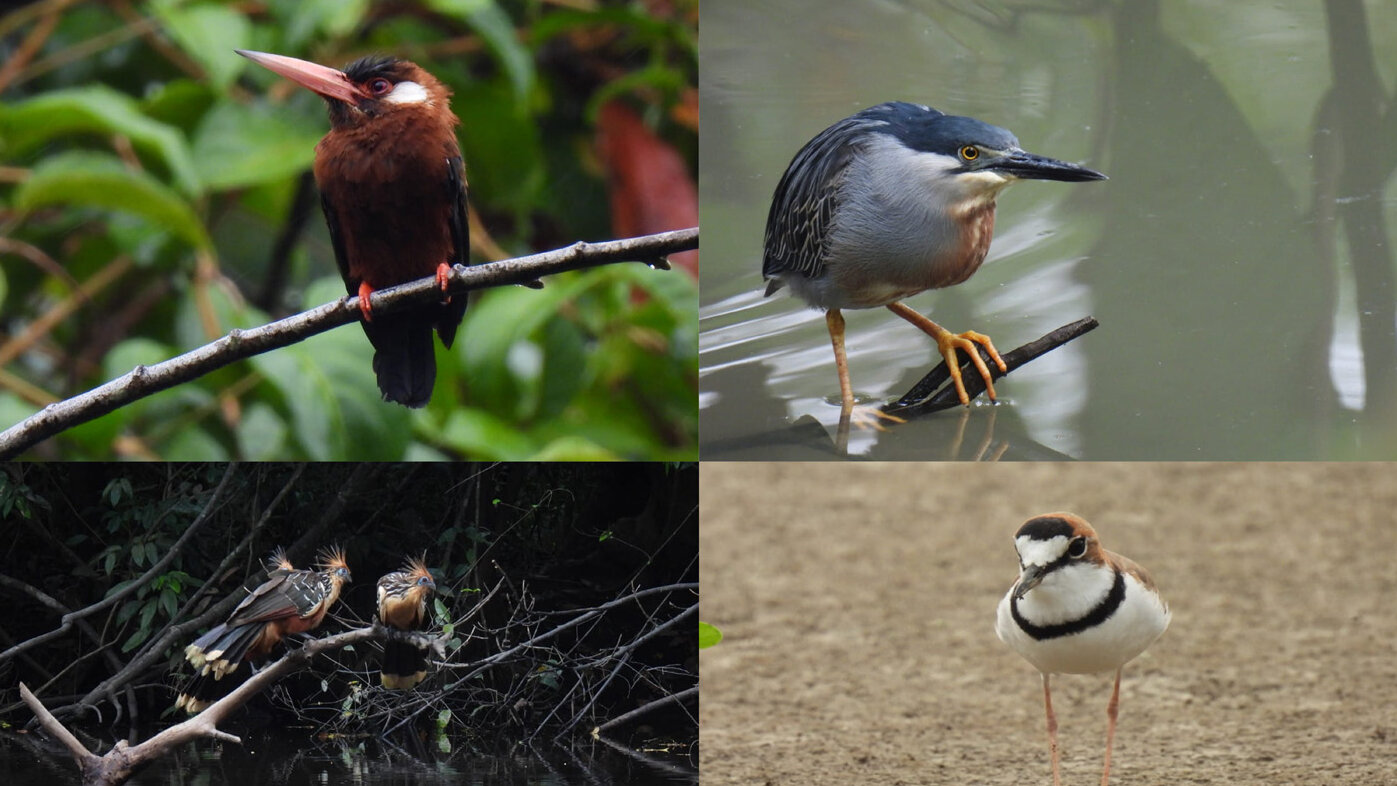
{"x":1111,"y":727}
{"x":1052,"y":728}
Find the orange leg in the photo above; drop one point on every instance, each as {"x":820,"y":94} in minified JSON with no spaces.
{"x":364,"y":291}
{"x":948,"y":342}
{"x":864,"y":416}
{"x":1111,"y":710}
{"x":1052,"y":728}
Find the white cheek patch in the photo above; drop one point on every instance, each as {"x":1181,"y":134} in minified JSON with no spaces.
{"x":989,"y":178}
{"x":1040,"y":552}
{"x":407,"y":93}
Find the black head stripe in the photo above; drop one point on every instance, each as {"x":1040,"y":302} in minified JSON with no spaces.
{"x":1096,"y":616}
{"x":1045,"y":528}
{"x":374,"y":66}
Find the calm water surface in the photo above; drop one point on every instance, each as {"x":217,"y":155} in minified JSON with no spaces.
{"x":294,"y":760}
{"x":1240,"y":266}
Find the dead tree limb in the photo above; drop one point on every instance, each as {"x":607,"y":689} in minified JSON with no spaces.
{"x":924,"y":398}
{"x":241,"y":344}
{"x":119,"y":763}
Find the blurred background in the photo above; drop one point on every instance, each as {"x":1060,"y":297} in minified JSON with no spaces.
{"x":155,"y":193}
{"x":1239,"y":259}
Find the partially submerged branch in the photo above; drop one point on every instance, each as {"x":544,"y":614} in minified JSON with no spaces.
{"x":240,"y":344}
{"x":123,"y":759}
{"x":924,"y":398}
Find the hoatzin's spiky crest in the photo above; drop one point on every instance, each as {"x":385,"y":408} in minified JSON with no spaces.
{"x":402,"y":604}
{"x":289,"y":601}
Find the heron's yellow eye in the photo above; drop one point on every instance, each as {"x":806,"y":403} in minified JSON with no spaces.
{"x":969,"y":152}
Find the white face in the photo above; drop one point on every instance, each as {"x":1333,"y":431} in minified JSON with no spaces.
{"x":1041,"y":552}
{"x":407,"y":93}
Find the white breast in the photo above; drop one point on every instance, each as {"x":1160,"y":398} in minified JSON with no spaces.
{"x":1140,"y":619}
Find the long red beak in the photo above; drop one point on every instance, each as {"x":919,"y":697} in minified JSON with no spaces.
{"x":325,"y":81}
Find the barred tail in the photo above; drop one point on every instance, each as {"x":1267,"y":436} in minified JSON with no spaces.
{"x":219,"y":651}
{"x":205,"y":689}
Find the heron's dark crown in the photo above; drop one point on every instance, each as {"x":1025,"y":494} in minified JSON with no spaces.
{"x":926,"y":130}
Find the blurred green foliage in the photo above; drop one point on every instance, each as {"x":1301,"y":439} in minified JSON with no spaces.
{"x":150,"y":184}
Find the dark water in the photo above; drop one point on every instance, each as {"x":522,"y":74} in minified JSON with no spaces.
{"x":290,"y":758}
{"x":1242,"y":272}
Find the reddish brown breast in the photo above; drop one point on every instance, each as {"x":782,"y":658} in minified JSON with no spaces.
{"x":387,"y":184}
{"x":974,"y":244}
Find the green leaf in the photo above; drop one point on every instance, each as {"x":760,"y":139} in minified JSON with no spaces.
{"x":136,"y":640}
{"x":332,"y":18}
{"x":496,"y":322}
{"x":502,"y":38}
{"x":169,"y":603}
{"x":500,"y":35}
{"x":101,"y":180}
{"x":572,"y":448}
{"x":499,"y":131}
{"x":208,"y":33}
{"x":14,"y":409}
{"x":95,"y":109}
{"x":708,"y":635}
{"x":193,"y":443}
{"x":148,"y":614}
{"x":261,"y":433}
{"x":238,"y":145}
{"x":483,"y":436}
{"x":327,"y":382}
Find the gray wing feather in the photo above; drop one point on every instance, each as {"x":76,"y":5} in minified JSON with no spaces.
{"x":803,"y":208}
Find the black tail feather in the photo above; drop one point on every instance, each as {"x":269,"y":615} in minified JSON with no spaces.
{"x":404,"y":359}
{"x":205,"y":689}
{"x":403,"y":665}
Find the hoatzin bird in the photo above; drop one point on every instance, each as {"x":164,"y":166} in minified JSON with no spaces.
{"x":289,"y":601}
{"x":402,"y":604}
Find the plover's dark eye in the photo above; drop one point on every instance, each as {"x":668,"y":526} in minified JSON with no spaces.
{"x":1077,"y":548}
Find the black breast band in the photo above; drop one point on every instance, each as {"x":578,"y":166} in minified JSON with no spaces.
{"x":1096,"y":616}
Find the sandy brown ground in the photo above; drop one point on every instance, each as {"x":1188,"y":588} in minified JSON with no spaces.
{"x":858,"y":603}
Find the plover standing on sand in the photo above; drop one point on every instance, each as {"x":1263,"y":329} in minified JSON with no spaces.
{"x":1077,"y":609}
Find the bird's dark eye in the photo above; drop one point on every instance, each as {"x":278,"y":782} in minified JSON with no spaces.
{"x":380,"y":86}
{"x":970,"y":152}
{"x":1077,"y":548}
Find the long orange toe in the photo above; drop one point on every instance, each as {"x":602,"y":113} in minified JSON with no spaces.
{"x":866,"y":417}
{"x":948,"y":343}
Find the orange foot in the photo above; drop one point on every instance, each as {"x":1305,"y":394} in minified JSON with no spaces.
{"x":870,"y":417}
{"x":443,"y":277}
{"x":364,"y":308}
{"x":948,"y":342}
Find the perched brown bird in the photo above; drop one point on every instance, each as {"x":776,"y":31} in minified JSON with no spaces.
{"x":393,"y":188}
{"x":402,"y":604}
{"x":289,"y":601}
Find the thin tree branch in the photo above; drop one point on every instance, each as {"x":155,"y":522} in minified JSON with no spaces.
{"x":920,"y":401}
{"x":155,"y":649}
{"x":240,"y":344}
{"x":645,"y":709}
{"x":111,"y":600}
